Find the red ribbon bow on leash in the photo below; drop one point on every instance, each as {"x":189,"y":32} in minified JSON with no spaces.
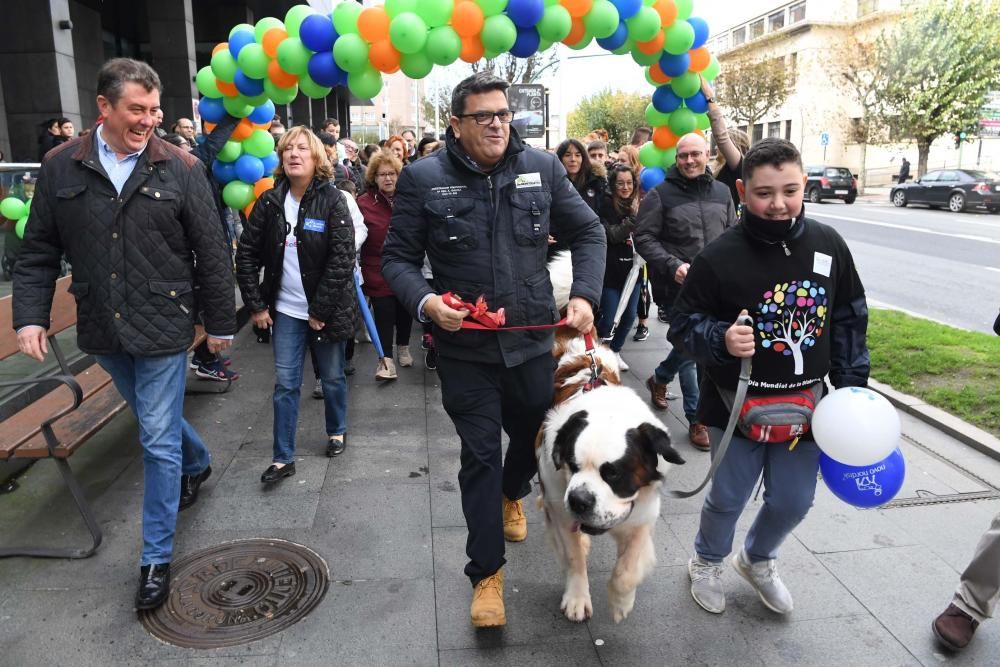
{"x":478,"y":312}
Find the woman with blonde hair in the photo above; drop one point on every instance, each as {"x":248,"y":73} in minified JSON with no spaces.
{"x":732,"y":146}
{"x":300,"y":232}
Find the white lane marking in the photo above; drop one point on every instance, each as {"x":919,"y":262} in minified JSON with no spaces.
{"x":990,"y":268}
{"x":909,"y":228}
{"x":891,"y":213}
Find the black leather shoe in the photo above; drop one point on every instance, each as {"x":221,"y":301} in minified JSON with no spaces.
{"x":190,"y":485}
{"x":336,"y":447}
{"x":154,"y":586}
{"x":276,"y":474}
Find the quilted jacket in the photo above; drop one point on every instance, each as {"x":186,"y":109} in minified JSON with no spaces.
{"x":137,"y":285}
{"x":326,"y":257}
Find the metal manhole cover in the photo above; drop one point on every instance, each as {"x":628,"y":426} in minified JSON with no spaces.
{"x":238,"y":592}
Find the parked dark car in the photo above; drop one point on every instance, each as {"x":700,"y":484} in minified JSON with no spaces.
{"x":958,"y":189}
{"x":827,"y":182}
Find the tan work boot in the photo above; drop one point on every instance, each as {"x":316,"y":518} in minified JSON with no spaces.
{"x":487,"y":602}
{"x":386,"y":370}
{"x":515,"y":524}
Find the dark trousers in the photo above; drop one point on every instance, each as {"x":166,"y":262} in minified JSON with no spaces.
{"x":390,"y":314}
{"x":481,"y":399}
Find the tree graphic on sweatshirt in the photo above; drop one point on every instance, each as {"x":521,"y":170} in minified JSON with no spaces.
{"x":791,"y":318}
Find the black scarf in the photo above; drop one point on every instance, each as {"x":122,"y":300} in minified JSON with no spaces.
{"x":772,"y":231}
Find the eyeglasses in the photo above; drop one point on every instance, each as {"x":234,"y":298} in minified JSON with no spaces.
{"x":388,"y":174}
{"x":693,"y":155}
{"x":623,"y":184}
{"x":486,"y":117}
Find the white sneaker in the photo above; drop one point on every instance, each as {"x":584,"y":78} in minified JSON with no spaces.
{"x":386,"y":370}
{"x":706,"y":585}
{"x":622,"y":366}
{"x":763,"y":576}
{"x":405,"y":358}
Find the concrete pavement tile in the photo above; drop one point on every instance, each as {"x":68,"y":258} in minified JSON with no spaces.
{"x":367,"y":462}
{"x":982,"y":466}
{"x":389,"y":396}
{"x":950,"y":531}
{"x":905,"y":589}
{"x":241,"y":477}
{"x":832,"y":525}
{"x":855,"y":640}
{"x":376,"y":421}
{"x":372,"y":622}
{"x":257,"y":509}
{"x":550,"y":654}
{"x":375,"y":530}
{"x":926,"y":472}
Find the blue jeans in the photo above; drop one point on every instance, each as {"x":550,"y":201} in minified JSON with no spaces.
{"x":610,"y":298}
{"x":290,"y":338}
{"x":677,"y":364}
{"x":789,"y":489}
{"x":154,"y":388}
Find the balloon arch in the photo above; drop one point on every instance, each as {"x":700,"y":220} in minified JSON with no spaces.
{"x":310,"y":53}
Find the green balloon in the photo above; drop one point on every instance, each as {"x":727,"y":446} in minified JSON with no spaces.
{"x":679,"y":38}
{"x":259,"y":144}
{"x":544,"y":44}
{"x":490,"y":55}
{"x":644,"y":25}
{"x":237,"y":194}
{"x":654,"y":117}
{"x":22,"y":223}
{"x":408,"y":33}
{"x":351,"y":52}
{"x":686,"y":84}
{"x":650,"y":155}
{"x":396,"y":7}
{"x":253,"y":61}
{"x":702,"y":121}
{"x":264,"y":25}
{"x":712,"y":70}
{"x":443,"y":45}
{"x":280,"y":95}
{"x":583,"y":43}
{"x":499,"y":33}
{"x":205,"y":81}
{"x":669,"y":158}
{"x":231,"y":150}
{"x":365,"y":84}
{"x":550,"y":3}
{"x":293,"y":56}
{"x":294,"y":18}
{"x":555,"y":24}
{"x":682,"y":121}
{"x":345,"y":17}
{"x":241,"y":27}
{"x":684,"y":8}
{"x":602,"y":19}
{"x":224,"y":65}
{"x":13,"y":208}
{"x":416,"y":65}
{"x":311,"y":89}
{"x":237,"y":107}
{"x":644,"y":59}
{"x":435,"y":13}
{"x":492,"y":7}
{"x":255,"y":100}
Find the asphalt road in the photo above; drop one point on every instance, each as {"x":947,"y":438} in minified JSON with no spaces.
{"x":932,"y":263}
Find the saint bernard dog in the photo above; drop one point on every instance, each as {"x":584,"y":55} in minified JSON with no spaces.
{"x":602,"y":454}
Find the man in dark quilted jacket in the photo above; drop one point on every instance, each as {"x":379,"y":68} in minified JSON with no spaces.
{"x":133,"y":214}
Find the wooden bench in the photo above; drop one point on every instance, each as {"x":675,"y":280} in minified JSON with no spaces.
{"x":58,"y":423}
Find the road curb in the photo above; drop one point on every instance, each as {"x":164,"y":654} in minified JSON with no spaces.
{"x":962,"y":431}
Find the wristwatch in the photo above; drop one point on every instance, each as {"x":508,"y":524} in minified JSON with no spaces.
{"x":710,"y":100}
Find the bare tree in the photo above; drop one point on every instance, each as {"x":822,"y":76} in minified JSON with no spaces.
{"x":519,"y":70}
{"x":750,"y":89}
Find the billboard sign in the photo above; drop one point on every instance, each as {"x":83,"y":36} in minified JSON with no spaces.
{"x":527,"y":101}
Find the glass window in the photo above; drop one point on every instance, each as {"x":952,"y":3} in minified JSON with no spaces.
{"x":758,"y":132}
{"x":739,"y":36}
{"x":788,"y":130}
{"x":776,"y":21}
{"x":931,"y":177}
{"x":948,"y":176}
{"x":774,"y":129}
{"x":866,"y":7}
{"x":814,"y":171}
{"x":757,"y":29}
{"x":837,"y":172}
{"x":797,"y":13}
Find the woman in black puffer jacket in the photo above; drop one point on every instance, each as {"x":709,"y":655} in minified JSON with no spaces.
{"x":587,"y":177}
{"x":301,"y":233}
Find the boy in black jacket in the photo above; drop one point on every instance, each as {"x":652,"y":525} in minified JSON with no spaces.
{"x":796,"y":279}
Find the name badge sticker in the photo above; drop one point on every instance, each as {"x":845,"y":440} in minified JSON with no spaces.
{"x":314,"y":225}
{"x":822,"y":264}
{"x":532,"y":180}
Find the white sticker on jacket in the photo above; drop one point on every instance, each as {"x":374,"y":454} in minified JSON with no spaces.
{"x":533,"y":180}
{"x":822,"y":264}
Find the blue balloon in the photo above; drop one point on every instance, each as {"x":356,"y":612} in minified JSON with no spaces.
{"x":651,"y":177}
{"x":317,"y":33}
{"x":675,"y":65}
{"x":249,"y":169}
{"x":696,"y":103}
{"x":865,"y":486}
{"x":324,"y":71}
{"x":211,"y":109}
{"x":525,"y":13}
{"x":238,"y":40}
{"x":616,"y":40}
{"x":246,"y":85}
{"x":262,"y":114}
{"x":627,"y":8}
{"x":526,"y":43}
{"x":700,"y":26}
{"x":665,"y":99}
{"x":224,"y":172}
{"x":270,"y":162}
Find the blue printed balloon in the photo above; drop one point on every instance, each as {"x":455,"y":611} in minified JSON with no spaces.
{"x":616,"y":40}
{"x":211,"y":109}
{"x":674,"y":65}
{"x":665,"y":99}
{"x":247,"y":86}
{"x":700,"y":26}
{"x":249,"y":169}
{"x":317,"y":33}
{"x":651,"y":177}
{"x":323,"y":70}
{"x":224,"y":172}
{"x":627,"y":8}
{"x":865,"y":486}
{"x":238,"y":40}
{"x":525,"y":13}
{"x":697,"y":102}
{"x":526,"y":43}
{"x":262,"y":114}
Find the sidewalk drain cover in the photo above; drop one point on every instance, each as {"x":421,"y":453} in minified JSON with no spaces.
{"x":238,"y":592}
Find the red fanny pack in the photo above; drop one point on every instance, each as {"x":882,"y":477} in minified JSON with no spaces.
{"x":775,"y":418}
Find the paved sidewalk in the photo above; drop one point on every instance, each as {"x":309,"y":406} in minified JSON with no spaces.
{"x":386,"y":516}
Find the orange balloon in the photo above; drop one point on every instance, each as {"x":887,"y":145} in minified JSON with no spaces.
{"x":262,"y":185}
{"x":243,"y":130}
{"x":657,"y":75}
{"x":272,"y":38}
{"x":249,"y":208}
{"x":472,"y":49}
{"x":384,"y":57}
{"x":664,"y":138}
{"x":576,"y":32}
{"x":700,"y":132}
{"x":700,"y":58}
{"x":209,"y":127}
{"x":577,"y":9}
{"x":467,"y":19}
{"x":227,"y":89}
{"x":653,"y":46}
{"x":373,"y":24}
{"x":218,"y":47}
{"x":262,"y":126}
{"x":280,"y":77}
{"x":667,"y":11}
